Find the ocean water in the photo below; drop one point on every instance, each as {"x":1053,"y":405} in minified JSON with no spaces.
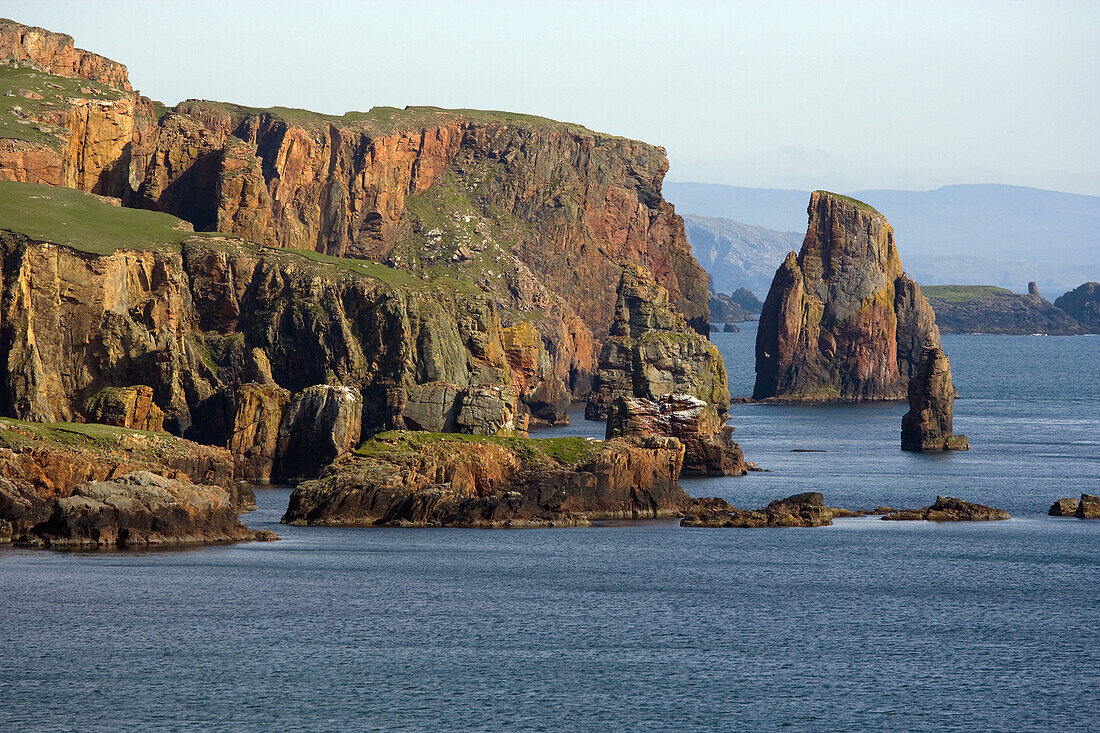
{"x":626,"y":626}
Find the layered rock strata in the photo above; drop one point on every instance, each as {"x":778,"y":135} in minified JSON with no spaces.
{"x":658,"y":377}
{"x":928,"y":424}
{"x":320,"y":424}
{"x":422,"y":479}
{"x":185,"y":492}
{"x":948,"y":509}
{"x":842,"y":321}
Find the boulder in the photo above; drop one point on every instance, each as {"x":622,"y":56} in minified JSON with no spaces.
{"x":947,"y":509}
{"x":254,"y":439}
{"x":1064,"y":508}
{"x":842,"y":321}
{"x":654,"y":365}
{"x":1088,"y":507}
{"x":320,"y":423}
{"x":125,"y":407}
{"x":486,"y":410}
{"x":140,"y":509}
{"x":928,"y":424}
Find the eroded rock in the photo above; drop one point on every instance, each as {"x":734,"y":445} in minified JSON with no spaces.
{"x":928,"y":424}
{"x":948,"y":509}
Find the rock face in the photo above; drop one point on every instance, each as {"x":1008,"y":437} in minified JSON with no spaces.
{"x":947,"y":509}
{"x":1064,"y":508}
{"x":842,"y":321}
{"x":1083,"y":303}
{"x":420,"y":479}
{"x":321,"y":423}
{"x":1088,"y":507}
{"x":254,"y":440}
{"x":928,"y":424}
{"x":658,"y":377}
{"x":125,"y":407}
{"x":801,"y":510}
{"x":56,"y":53}
{"x":140,"y":509}
{"x":984,"y":309}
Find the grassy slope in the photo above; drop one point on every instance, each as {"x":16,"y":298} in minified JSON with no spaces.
{"x":962,"y":293}
{"x":17,"y":112}
{"x":854,"y":202}
{"x":16,"y":433}
{"x":565,"y":451}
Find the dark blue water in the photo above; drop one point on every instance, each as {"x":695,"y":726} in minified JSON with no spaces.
{"x":862,"y":625}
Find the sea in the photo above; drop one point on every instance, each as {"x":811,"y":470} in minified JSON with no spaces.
{"x":626,"y":626}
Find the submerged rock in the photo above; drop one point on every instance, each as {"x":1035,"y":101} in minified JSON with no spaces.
{"x":423,"y":479}
{"x":842,"y":321}
{"x":948,"y":509}
{"x":801,"y":510}
{"x":928,"y":424}
{"x":1088,"y":507}
{"x":1064,"y":508}
{"x":658,"y":377}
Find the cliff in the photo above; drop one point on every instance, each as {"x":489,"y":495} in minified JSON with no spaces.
{"x":537,"y":212}
{"x":56,"y":53}
{"x":1083,"y":304}
{"x":435,"y":479}
{"x":106,"y":297}
{"x":987,"y":309}
{"x":842,"y":321}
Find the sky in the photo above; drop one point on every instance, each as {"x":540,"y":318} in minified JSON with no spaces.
{"x":801,"y":95}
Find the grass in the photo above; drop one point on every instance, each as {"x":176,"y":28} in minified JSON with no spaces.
{"x":65,"y":434}
{"x":22,"y":124}
{"x":388,"y":120}
{"x":371,"y":269}
{"x":83,"y":221}
{"x":962,"y":293}
{"x":564,"y":451}
{"x":854,"y":202}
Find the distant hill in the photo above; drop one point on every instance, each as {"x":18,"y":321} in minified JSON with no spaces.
{"x":969,"y":234}
{"x":739,"y":255}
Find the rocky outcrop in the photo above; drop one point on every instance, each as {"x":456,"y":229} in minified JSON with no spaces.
{"x":41,"y":465}
{"x":724,"y":310}
{"x":842,"y":321}
{"x":125,"y":407}
{"x":1088,"y":507}
{"x":320,"y":424}
{"x":947,"y":509}
{"x":140,"y":509}
{"x":928,"y":424}
{"x":801,"y":510}
{"x":731,"y":328}
{"x":658,"y":377}
{"x":254,"y":441}
{"x":1064,"y":508}
{"x":1083,"y":304}
{"x":56,"y":53}
{"x":421,"y":479}
{"x":986,"y":309}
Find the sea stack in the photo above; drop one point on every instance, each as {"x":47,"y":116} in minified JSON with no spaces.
{"x":842,"y":321}
{"x":927,"y":425}
{"x":658,"y":377}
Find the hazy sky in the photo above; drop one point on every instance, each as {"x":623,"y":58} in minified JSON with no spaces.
{"x":838,"y":95}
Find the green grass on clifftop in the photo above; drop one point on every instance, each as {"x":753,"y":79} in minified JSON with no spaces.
{"x":565,"y":451}
{"x":83,"y":221}
{"x":19,"y":109}
{"x":14,"y":433}
{"x":962,"y":293}
{"x":854,"y":202}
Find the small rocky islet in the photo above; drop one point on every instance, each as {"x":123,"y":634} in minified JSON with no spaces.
{"x":238,"y":295}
